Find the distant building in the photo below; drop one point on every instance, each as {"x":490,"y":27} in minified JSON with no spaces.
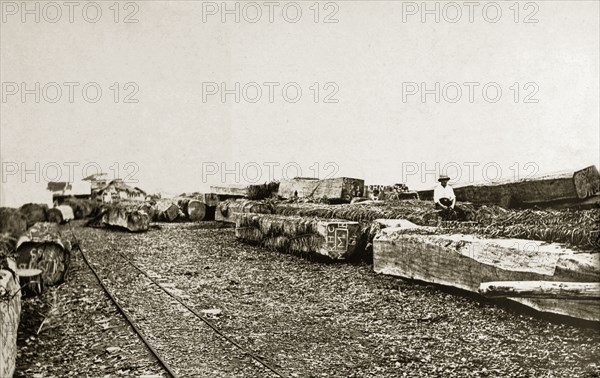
{"x":97,"y":181}
{"x":61,"y":190}
{"x":117,"y":190}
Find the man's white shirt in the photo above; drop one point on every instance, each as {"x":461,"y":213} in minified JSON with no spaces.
{"x":441,"y":192}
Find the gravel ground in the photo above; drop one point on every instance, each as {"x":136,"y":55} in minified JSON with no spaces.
{"x":187,"y":344}
{"x":72,"y":330}
{"x":311,"y":318}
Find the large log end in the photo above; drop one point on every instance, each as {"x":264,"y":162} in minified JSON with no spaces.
{"x":196,"y":210}
{"x":51,"y":258}
{"x":587,"y":182}
{"x":341,"y":238}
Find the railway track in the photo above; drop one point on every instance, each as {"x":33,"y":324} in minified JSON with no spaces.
{"x":182,"y":339}
{"x":311,"y":319}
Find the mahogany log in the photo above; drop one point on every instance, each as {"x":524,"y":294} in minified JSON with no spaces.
{"x":334,"y":238}
{"x":466,"y":261}
{"x":42,"y":247}
{"x":228,"y":210}
{"x":10,"y":313}
{"x":166,"y":210}
{"x":541,"y":289}
{"x":12,"y":225}
{"x":34,"y":213}
{"x":564,"y":187}
{"x":340,"y":188}
{"x":192,"y":208}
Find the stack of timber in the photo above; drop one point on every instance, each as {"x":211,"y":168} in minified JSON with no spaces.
{"x":61,"y":214}
{"x":576,"y":228}
{"x":470,"y":263}
{"x":10,"y":313}
{"x":131,"y":216}
{"x":336,"y":239}
{"x":229,"y":209}
{"x":209,"y":199}
{"x":564,"y":189}
{"x":333,"y":189}
{"x":43,"y":247}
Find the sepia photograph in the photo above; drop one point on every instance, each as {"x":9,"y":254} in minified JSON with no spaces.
{"x":299,"y":189}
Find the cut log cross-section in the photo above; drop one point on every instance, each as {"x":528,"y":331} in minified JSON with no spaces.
{"x":193,"y":209}
{"x":50,"y":258}
{"x":340,"y":238}
{"x":587,"y":182}
{"x":42,"y":247}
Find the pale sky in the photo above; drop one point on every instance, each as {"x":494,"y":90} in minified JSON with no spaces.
{"x":370,"y":58}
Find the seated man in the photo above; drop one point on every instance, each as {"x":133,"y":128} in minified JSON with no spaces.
{"x":443,"y":194}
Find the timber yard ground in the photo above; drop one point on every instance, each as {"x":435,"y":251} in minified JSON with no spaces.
{"x":304,"y":316}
